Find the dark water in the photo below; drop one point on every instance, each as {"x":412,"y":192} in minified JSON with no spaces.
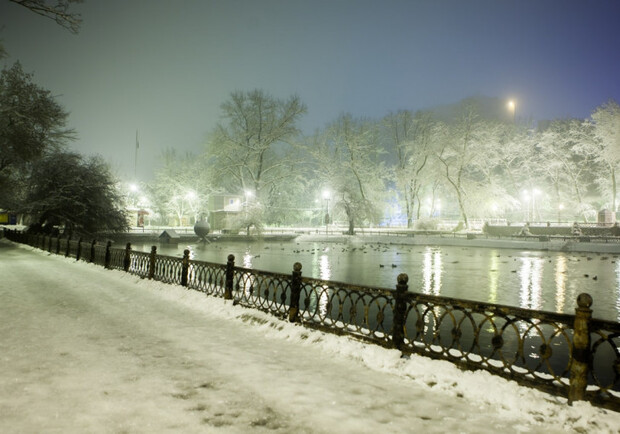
{"x":538,"y":280}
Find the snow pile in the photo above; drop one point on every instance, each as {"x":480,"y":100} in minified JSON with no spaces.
{"x":83,"y":349}
{"x":491,"y":393}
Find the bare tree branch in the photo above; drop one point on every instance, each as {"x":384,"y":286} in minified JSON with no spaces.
{"x":59,"y":12}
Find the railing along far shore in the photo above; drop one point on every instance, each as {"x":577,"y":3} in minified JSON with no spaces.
{"x":573,"y":356}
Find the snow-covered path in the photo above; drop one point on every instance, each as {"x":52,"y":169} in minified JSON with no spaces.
{"x":83,"y":349}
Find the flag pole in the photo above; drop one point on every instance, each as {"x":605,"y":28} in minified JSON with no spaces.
{"x":135,"y":161}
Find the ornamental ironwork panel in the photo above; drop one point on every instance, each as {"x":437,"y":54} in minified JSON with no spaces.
{"x":269,"y":292}
{"x":139,"y":263}
{"x":604,"y":378}
{"x":360,"y":311}
{"x":504,"y":340}
{"x":117,"y":256}
{"x":168,"y":269}
{"x":207,"y":277}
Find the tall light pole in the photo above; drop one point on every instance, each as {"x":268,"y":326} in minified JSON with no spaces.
{"x":535,"y":192}
{"x":326,"y":196}
{"x":526,"y":199}
{"x":513,"y":108}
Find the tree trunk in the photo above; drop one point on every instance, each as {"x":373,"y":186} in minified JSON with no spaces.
{"x":351,"y":219}
{"x":462,"y":209}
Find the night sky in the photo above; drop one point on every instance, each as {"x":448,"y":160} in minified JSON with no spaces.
{"x":165,"y":67}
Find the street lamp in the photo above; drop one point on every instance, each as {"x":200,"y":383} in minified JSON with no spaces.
{"x":326,"y":196}
{"x":526,"y":200}
{"x":513,"y":108}
{"x":560,"y":208}
{"x":535,"y":192}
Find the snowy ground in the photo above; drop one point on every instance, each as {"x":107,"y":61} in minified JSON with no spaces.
{"x":83,"y":349}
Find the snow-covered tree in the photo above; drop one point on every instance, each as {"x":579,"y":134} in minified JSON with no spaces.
{"x":181,"y":186}
{"x":412,"y":137}
{"x":31,"y":123}
{"x":605,"y":122}
{"x":248,"y":151}
{"x":347,"y":156}
{"x":80,"y":194}
{"x":567,"y":158}
{"x":462,"y":154}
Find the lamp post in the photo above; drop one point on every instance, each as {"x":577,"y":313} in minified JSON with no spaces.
{"x":526,"y":199}
{"x":513,"y":108}
{"x":248,"y":196}
{"x":326,"y":196}
{"x":560,"y":208}
{"x":535,"y":192}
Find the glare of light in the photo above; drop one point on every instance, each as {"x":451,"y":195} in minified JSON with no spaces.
{"x":526,"y":195}
{"x":494,"y":207}
{"x":190,"y":195}
{"x":431,"y":271}
{"x":535,"y":192}
{"x":249,"y":193}
{"x":561,"y":206}
{"x":133,"y":187}
{"x":511,"y":105}
{"x":560,"y":283}
{"x":326,"y":194}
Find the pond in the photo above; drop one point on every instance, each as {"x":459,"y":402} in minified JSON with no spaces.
{"x":538,"y":280}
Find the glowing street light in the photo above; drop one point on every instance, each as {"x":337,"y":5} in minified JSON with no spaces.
{"x":326,"y":196}
{"x":535,"y":192}
{"x":560,"y":208}
{"x":526,"y":200}
{"x":513,"y":108}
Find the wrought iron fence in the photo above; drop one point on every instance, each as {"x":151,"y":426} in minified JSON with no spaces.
{"x":573,"y":356}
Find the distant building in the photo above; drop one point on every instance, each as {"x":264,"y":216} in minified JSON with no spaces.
{"x":222,"y":207}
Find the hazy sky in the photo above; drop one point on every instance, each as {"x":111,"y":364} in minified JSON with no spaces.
{"x":164,"y":67}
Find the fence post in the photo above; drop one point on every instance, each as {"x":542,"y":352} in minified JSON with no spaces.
{"x":58,"y":244}
{"x":68,"y":245}
{"x":400,"y":309}
{"x":185,"y":267}
{"x":127,"y":258}
{"x":230,"y":274}
{"x":580,"y":361}
{"x":49,"y":244}
{"x":106,"y":262}
{"x":79,"y":249}
{"x":293,"y":312}
{"x":92,"y":250}
{"x":152,"y":261}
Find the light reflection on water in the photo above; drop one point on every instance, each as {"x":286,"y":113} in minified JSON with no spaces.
{"x":493,"y":277}
{"x":432,"y":270}
{"x":560,"y":283}
{"x":531,"y":279}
